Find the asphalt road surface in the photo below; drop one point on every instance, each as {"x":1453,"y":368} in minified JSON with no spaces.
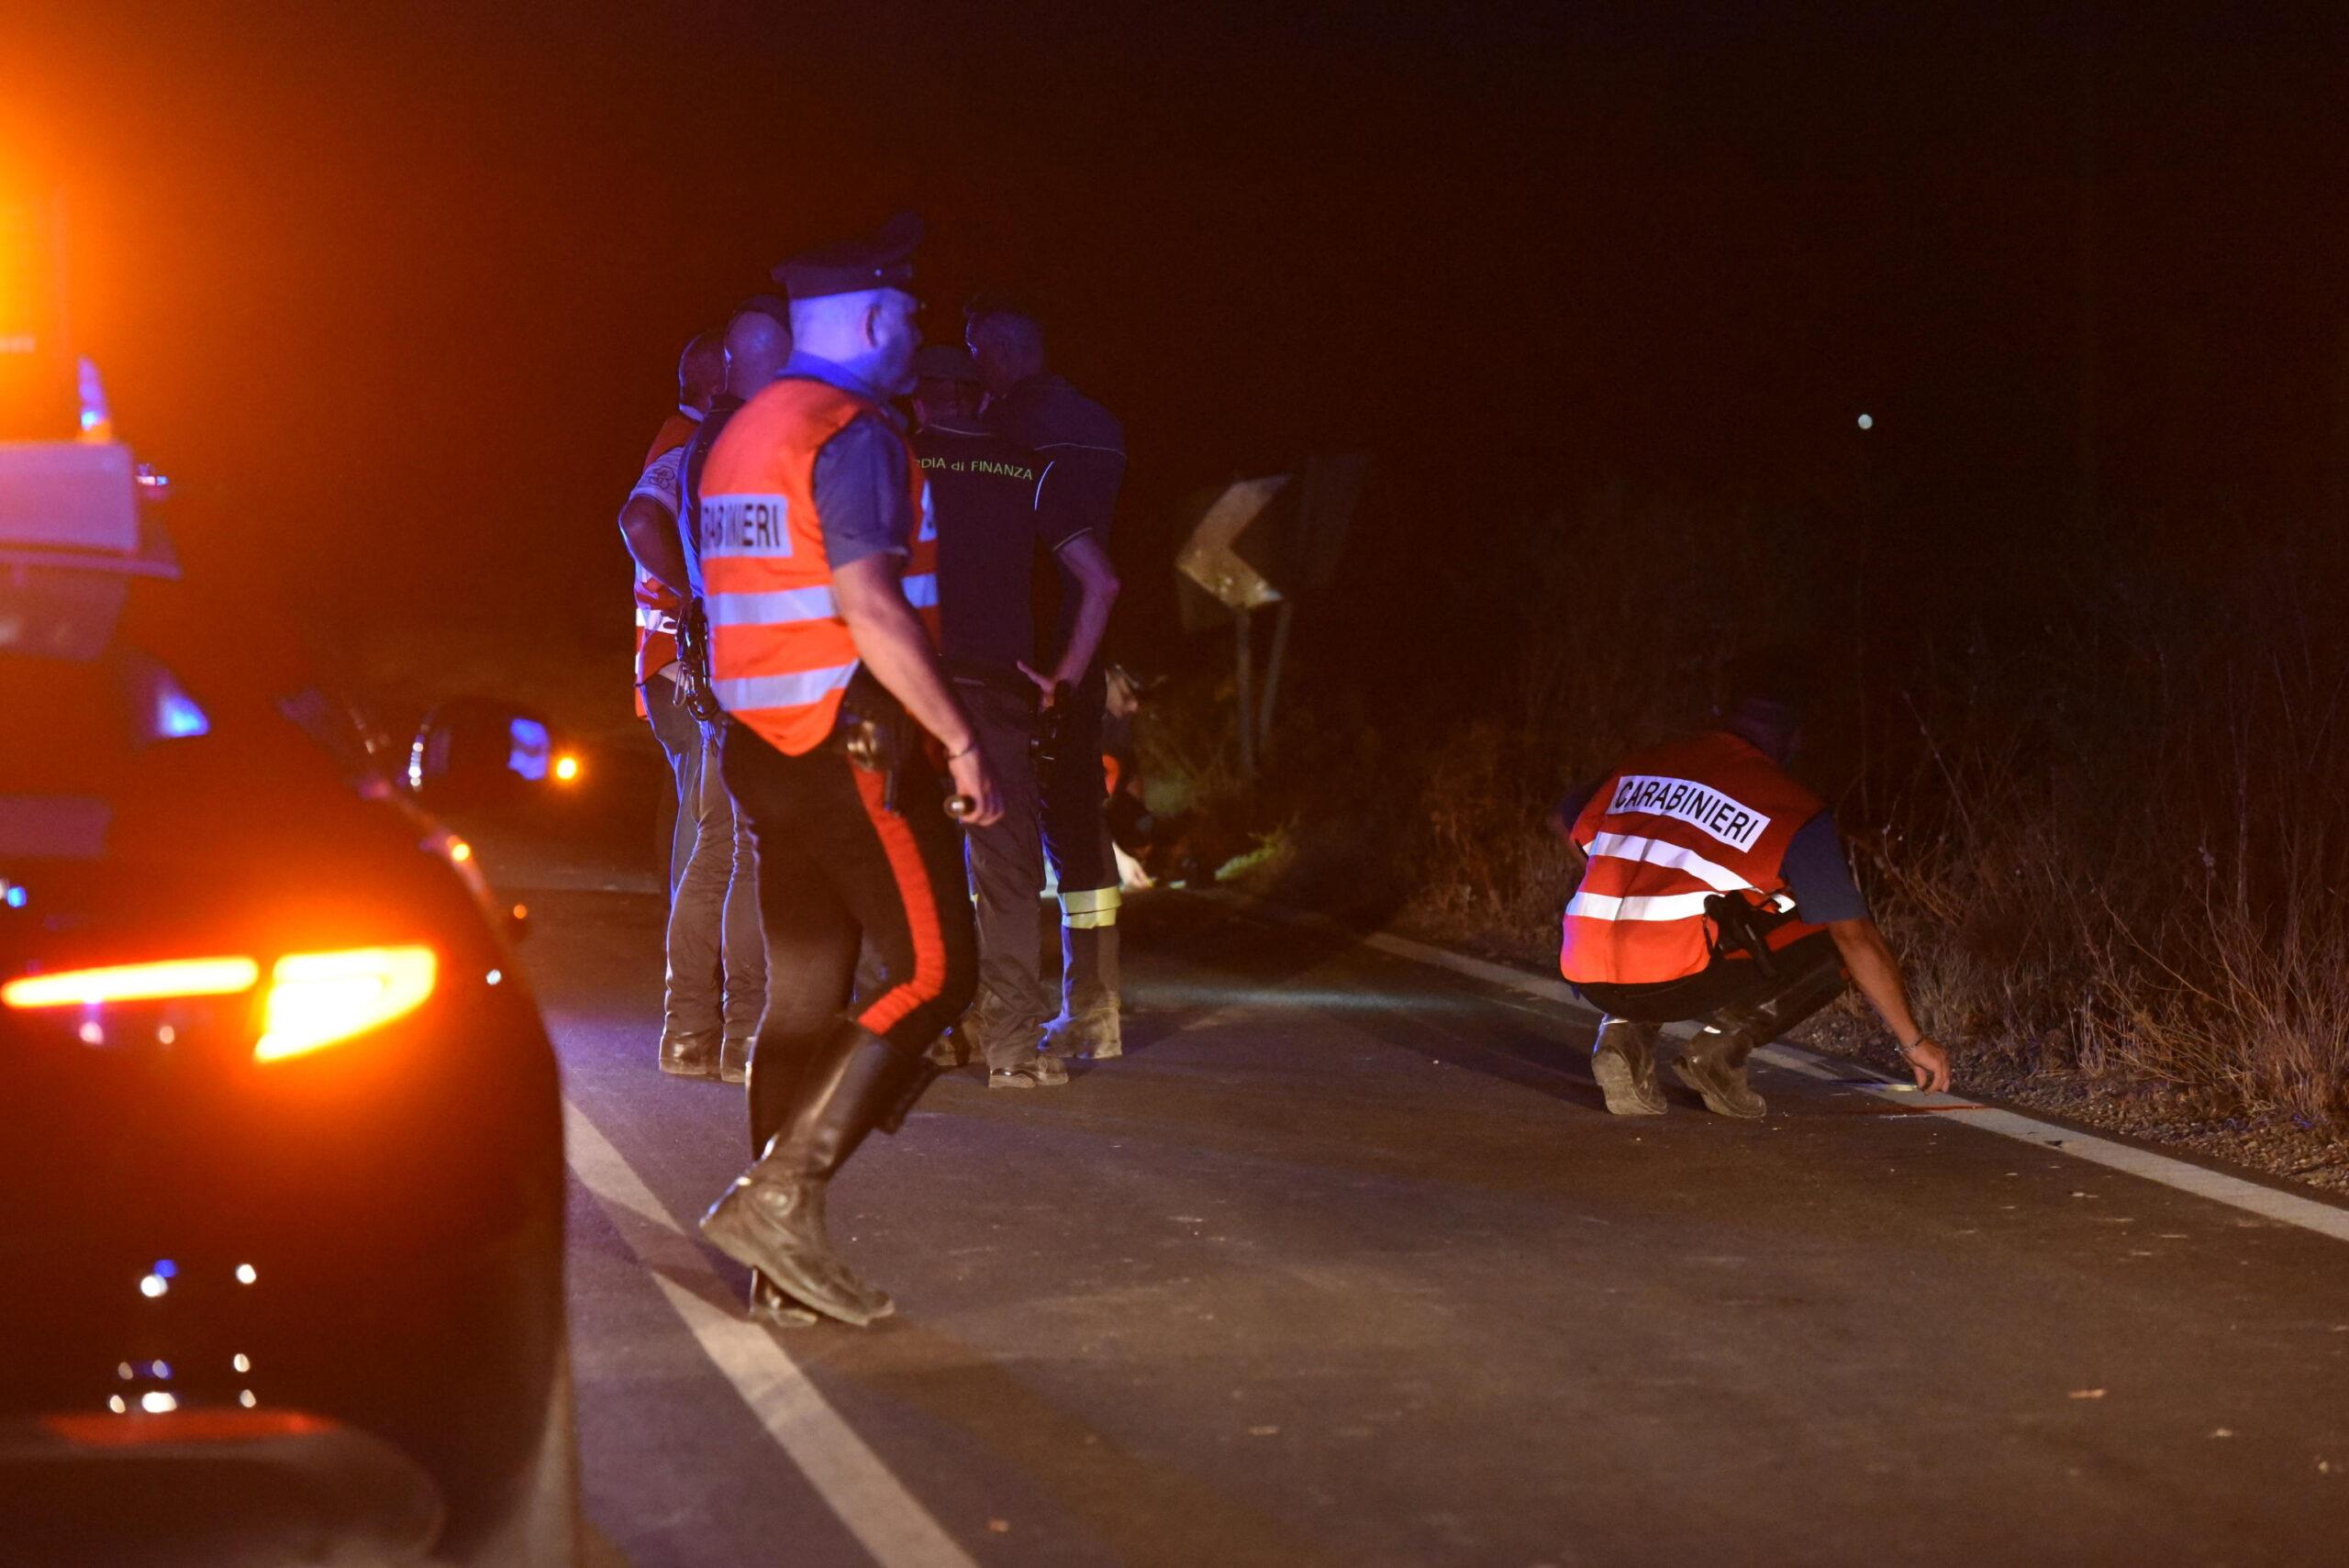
{"x":1343,"y":1263}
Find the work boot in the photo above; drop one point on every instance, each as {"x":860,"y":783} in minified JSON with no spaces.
{"x":771,"y":1307}
{"x":772,"y":1220}
{"x":1623,"y":1061}
{"x":1087,"y":1025}
{"x":1040,"y":1071}
{"x":995,"y":1031}
{"x":734,"y":1061}
{"x":1713,"y":1063}
{"x":689,"y":1055}
{"x":1091,"y":1036}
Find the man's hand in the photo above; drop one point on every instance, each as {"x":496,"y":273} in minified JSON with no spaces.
{"x":1046,"y":685}
{"x":972,"y":781}
{"x":1930,"y":1063}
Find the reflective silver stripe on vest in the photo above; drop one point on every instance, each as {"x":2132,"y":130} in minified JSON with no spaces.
{"x":1663,"y":906}
{"x":737,"y":524}
{"x":1659,"y":853}
{"x":751,"y":694}
{"x":782,"y":608}
{"x":921,"y":590}
{"x":651,"y":619}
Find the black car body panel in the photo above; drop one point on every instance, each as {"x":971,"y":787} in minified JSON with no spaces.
{"x":346,"y":1263}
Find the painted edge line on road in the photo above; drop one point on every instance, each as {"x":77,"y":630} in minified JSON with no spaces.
{"x":885,"y":1518}
{"x":2235,"y":1191}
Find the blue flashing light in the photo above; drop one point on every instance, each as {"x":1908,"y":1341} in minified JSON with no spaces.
{"x":177,"y":716}
{"x":13,"y":893}
{"x":532,"y":744}
{"x":164,"y":1268}
{"x":91,"y":418}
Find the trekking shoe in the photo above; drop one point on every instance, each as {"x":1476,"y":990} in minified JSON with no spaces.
{"x":734,"y":1061}
{"x":771,"y":1307}
{"x":1090,"y":1036}
{"x":1714,"y":1066}
{"x":1623,"y":1061}
{"x":1024,"y":1076}
{"x":689,"y":1056}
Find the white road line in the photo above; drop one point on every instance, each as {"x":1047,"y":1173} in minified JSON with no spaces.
{"x":885,"y":1518}
{"x":2287,"y":1209}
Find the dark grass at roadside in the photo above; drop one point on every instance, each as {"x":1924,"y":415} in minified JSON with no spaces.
{"x":2096,"y":782}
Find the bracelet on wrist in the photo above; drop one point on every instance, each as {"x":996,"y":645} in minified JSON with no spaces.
{"x":968,"y":748}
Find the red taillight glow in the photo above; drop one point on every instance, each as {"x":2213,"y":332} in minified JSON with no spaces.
{"x":323,"y":998}
{"x":314,"y":999}
{"x":132,"y":983}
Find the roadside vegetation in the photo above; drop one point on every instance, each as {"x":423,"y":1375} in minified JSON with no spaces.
{"x":2098,"y":795}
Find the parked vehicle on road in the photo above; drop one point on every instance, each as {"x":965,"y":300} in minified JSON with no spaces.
{"x":281,"y":1172}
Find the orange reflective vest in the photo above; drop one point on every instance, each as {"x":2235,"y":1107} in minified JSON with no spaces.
{"x":1673,"y":827}
{"x":780,"y":654}
{"x":656,"y":608}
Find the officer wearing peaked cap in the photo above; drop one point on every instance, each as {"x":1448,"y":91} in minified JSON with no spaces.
{"x":818,"y":562}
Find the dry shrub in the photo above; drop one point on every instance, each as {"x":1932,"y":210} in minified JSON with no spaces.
{"x":2134,"y":861}
{"x":2105,"y":825}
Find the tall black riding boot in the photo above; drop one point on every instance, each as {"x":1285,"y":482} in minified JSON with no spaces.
{"x":772,"y":1220}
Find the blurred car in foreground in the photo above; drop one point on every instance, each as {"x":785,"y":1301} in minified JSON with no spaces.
{"x":281,"y":1174}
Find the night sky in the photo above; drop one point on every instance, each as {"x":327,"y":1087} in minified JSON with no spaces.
{"x":395,"y":290}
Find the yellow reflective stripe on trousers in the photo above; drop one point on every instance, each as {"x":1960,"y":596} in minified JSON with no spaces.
{"x":1089,"y":908}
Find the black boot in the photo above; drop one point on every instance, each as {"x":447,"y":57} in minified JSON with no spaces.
{"x":770,"y":1306}
{"x":772,"y":1220}
{"x":1810,"y":976}
{"x":1623,"y":1061}
{"x":1713,"y":1063}
{"x":689,"y":1056}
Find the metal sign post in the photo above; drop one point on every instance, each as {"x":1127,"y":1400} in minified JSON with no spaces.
{"x":1295,"y":535}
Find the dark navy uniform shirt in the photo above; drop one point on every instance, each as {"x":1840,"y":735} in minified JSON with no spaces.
{"x":995,"y":501}
{"x":1083,"y":447}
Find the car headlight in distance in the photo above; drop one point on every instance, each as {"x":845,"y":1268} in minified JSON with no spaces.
{"x":318,"y":999}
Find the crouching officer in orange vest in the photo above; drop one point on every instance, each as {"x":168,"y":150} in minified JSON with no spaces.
{"x":819,"y":564}
{"x":1715,"y":888}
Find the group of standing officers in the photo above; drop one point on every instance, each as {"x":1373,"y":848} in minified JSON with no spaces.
{"x":838,"y":650}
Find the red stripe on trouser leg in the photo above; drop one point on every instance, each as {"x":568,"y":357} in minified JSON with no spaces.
{"x":927,"y":981}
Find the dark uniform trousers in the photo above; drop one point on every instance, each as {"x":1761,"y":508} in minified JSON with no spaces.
{"x":1007,"y":874}
{"x":1076,"y":838}
{"x":838,"y":873}
{"x":716,"y":981}
{"x":1807,"y":975}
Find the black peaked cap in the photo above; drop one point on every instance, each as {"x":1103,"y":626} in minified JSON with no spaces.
{"x":883,"y":259}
